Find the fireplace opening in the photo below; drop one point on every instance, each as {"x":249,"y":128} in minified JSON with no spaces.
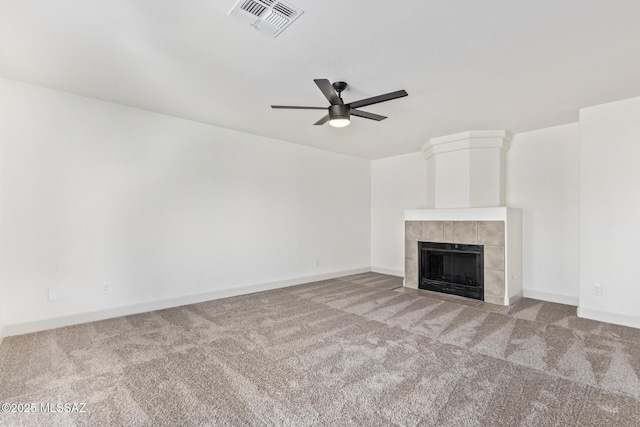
{"x":452,"y":268}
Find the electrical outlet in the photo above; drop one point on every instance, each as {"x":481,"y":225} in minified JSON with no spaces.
{"x":53,"y":294}
{"x":106,"y":288}
{"x":597,"y":289}
{"x":317,"y":262}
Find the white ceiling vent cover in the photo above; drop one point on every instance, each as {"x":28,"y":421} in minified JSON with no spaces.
{"x":267,"y":16}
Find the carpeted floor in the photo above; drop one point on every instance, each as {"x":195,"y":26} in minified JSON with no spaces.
{"x":358,"y":350}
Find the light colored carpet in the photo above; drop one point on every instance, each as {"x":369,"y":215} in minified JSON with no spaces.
{"x":352,"y":351}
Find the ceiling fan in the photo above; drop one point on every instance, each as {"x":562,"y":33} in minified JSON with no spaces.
{"x":339,"y":114}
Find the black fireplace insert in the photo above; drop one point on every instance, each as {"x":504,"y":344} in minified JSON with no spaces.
{"x":452,"y":268}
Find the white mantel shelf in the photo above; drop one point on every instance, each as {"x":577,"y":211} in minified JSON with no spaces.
{"x":459,"y":214}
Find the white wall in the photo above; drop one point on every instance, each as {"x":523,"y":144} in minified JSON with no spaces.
{"x":160,"y":207}
{"x":610,"y":211}
{"x":397,"y":184}
{"x":2,"y":114}
{"x":543,"y":181}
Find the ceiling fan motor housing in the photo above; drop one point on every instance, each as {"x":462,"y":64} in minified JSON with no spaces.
{"x":340,"y":112}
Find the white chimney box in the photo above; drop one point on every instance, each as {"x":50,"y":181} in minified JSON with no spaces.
{"x":466,"y":170}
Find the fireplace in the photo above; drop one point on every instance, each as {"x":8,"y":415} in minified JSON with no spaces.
{"x":466,"y":201}
{"x":451,"y":268}
{"x":497,"y":233}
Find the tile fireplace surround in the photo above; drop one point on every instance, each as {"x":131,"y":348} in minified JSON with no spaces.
{"x":500,"y":238}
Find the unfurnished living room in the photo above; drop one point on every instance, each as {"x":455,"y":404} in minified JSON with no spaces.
{"x":320,"y":213}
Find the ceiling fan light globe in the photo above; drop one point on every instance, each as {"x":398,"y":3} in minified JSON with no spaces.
{"x":339,"y":123}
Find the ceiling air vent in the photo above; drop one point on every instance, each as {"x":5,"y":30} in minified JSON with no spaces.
{"x":253,"y":8}
{"x":267,"y":16}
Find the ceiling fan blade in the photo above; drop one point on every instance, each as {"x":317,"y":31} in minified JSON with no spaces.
{"x":328,"y":91}
{"x":322,"y":121}
{"x":366,"y":115}
{"x":295,"y":107}
{"x":379,"y":98}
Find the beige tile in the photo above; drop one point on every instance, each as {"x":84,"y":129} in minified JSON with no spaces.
{"x":411,"y":273}
{"x":448,"y":231}
{"x":465,"y":232}
{"x":410,"y":284}
{"x":491,"y":233}
{"x":494,"y":258}
{"x":491,"y":299}
{"x":411,"y":250}
{"x":494,"y":282}
{"x":412,"y":230}
{"x":432,"y":231}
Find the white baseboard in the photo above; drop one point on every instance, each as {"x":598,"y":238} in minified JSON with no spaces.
{"x":388,"y":271}
{"x":551,"y":297}
{"x":609,"y":317}
{"x":1,"y":333}
{"x":125,"y":310}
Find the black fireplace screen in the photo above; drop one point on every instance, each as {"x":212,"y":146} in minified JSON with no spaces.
{"x":452,"y":268}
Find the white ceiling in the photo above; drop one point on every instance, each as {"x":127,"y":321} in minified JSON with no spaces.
{"x":486,"y":64}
